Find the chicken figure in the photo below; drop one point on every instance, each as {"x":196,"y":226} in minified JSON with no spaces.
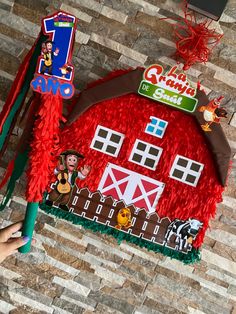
{"x":124,"y":218}
{"x":212,"y":113}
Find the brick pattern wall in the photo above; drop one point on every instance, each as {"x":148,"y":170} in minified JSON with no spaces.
{"x":71,"y":270}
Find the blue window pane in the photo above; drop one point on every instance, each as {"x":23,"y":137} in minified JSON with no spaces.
{"x":162,"y":124}
{"x":150,"y":128}
{"x":159,"y":132}
{"x":154,"y":121}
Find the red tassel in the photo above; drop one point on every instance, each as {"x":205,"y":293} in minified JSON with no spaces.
{"x":194,"y":41}
{"x":46,"y":139}
{"x":8,"y":173}
{"x":16,"y":86}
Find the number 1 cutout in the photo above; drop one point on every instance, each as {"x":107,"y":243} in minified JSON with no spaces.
{"x":56,"y":53}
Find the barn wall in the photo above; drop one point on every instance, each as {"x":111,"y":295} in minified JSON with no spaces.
{"x":129,"y":115}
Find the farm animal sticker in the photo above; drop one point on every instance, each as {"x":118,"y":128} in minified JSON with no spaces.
{"x":184,"y":231}
{"x":212,"y":113}
{"x":67,"y":173}
{"x":124,"y":218}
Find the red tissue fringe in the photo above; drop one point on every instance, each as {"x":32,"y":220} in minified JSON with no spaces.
{"x":45,"y":141}
{"x":16,"y":87}
{"x":129,"y":115}
{"x":24,"y":141}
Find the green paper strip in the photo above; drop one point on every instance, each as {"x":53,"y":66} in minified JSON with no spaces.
{"x":19,"y":167}
{"x":28,"y":225}
{"x":189,"y":258}
{"x":20,"y":98}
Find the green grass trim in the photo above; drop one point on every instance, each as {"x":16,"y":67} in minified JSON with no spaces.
{"x":189,"y":258}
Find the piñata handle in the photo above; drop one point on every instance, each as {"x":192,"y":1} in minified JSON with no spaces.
{"x":28,"y":225}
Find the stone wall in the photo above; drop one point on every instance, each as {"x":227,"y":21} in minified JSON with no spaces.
{"x":71,"y":270}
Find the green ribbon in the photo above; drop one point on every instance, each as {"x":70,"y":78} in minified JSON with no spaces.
{"x":21,"y":158}
{"x":19,"y":166}
{"x":22,"y":94}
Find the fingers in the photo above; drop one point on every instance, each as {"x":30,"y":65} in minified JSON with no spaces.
{"x":16,"y":243}
{"x":13,"y":239}
{"x":9,"y":248}
{"x":10,"y":240}
{"x":7,"y":232}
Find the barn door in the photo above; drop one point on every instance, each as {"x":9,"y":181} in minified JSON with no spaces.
{"x":130,"y":186}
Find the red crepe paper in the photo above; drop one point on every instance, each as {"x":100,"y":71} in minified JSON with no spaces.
{"x":17,"y":95}
{"x":129,"y":114}
{"x":194,"y":41}
{"x":16,"y":87}
{"x":22,"y":146}
{"x":46,"y":139}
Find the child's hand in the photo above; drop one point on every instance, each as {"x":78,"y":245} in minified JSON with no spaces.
{"x":8,"y":244}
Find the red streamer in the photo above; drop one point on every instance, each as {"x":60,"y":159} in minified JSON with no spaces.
{"x":46,"y":139}
{"x":194,"y":41}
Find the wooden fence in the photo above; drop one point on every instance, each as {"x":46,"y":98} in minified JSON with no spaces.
{"x":96,"y":207}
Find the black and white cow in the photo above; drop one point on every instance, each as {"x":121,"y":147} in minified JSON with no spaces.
{"x":183,"y":229}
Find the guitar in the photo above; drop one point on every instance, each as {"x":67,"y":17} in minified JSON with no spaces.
{"x":63,"y":186}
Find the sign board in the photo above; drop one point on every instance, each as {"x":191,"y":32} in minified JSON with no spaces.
{"x":54,"y":73}
{"x":171,"y":88}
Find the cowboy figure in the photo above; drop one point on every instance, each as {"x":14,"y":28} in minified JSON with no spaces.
{"x":48,"y":55}
{"x":67,"y":174}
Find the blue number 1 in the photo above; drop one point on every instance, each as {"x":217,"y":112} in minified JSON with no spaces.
{"x":56,"y":52}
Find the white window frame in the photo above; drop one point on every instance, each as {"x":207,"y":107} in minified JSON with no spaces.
{"x":186,"y":170}
{"x":156,"y":127}
{"x":145,"y":154}
{"x":106,"y":141}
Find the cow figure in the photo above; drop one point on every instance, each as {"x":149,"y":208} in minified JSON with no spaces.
{"x":184,"y":230}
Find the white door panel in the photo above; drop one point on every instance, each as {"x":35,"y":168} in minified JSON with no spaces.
{"x":130,"y":186}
